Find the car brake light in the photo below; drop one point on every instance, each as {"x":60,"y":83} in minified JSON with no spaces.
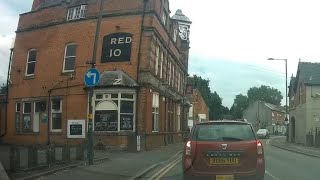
{"x":188,"y":148}
{"x":259,"y":148}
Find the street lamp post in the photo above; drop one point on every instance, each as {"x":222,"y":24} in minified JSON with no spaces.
{"x":286,"y":118}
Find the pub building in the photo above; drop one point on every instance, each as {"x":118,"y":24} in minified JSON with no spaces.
{"x":141,"y":54}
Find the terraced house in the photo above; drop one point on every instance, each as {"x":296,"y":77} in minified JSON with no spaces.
{"x":142,"y":55}
{"x":304,"y":94}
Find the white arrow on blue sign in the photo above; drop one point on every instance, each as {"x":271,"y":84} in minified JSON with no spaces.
{"x":92,"y":77}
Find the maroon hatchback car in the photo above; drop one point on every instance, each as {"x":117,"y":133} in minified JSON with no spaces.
{"x":223,"y":150}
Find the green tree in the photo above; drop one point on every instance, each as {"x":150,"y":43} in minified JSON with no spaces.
{"x":213,"y":100}
{"x":266,"y":94}
{"x":3,"y":89}
{"x":241,"y":102}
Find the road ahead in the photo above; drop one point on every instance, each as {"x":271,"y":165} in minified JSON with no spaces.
{"x":280,"y":165}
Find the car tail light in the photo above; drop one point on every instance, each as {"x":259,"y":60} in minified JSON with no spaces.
{"x":259,"y":148}
{"x":188,"y":148}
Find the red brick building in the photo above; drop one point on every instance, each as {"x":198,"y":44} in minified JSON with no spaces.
{"x":199,"y":110}
{"x":141,"y":53}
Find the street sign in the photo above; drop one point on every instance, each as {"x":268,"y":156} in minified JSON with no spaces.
{"x":92,"y":77}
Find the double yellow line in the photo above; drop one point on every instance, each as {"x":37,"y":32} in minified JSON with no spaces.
{"x":165,"y":169}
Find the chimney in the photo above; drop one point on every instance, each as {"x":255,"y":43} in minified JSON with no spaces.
{"x":36,"y":4}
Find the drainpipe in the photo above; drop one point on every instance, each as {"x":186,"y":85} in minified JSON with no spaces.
{"x":7,"y":95}
{"x":139,"y":59}
{"x":49,"y":110}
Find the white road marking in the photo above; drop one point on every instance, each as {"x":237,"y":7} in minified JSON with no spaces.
{"x":268,"y":142}
{"x":164,"y":169}
{"x":273,"y":177}
{"x":168,"y":169}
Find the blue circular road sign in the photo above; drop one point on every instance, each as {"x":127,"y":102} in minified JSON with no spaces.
{"x":91,"y":77}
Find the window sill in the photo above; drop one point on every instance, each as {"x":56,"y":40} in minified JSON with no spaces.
{"x":67,"y":73}
{"x":28,"y":133}
{"x":56,"y":132}
{"x":27,"y":77}
{"x":104,"y":133}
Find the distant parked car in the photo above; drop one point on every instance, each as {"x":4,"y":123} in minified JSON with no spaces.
{"x":263,"y":133}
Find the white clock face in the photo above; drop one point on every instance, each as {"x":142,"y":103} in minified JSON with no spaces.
{"x":183,"y":32}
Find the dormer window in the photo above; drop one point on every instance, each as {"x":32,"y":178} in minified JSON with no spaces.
{"x":77,"y":12}
{"x":175,"y":33}
{"x":164,"y":18}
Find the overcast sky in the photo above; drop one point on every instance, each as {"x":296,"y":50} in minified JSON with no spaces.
{"x":230,"y":40}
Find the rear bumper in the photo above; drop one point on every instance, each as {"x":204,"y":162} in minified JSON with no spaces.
{"x":192,"y":175}
{"x":258,"y":173}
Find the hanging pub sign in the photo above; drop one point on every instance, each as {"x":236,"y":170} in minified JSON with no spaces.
{"x":116,"y":47}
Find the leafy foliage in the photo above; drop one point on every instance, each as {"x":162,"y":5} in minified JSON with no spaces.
{"x":241,"y":102}
{"x":213,"y":100}
{"x":3,"y":89}
{"x":266,"y":94}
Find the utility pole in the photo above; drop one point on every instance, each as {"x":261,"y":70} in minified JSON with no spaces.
{"x":93,"y":65}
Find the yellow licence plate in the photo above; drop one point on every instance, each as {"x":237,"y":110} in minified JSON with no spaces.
{"x":224,"y":177}
{"x":224,"y":161}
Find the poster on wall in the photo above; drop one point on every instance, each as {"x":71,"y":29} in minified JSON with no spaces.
{"x":116,"y":47}
{"x":106,"y":120}
{"x":26,"y":123}
{"x":76,"y":129}
{"x":126,"y":122}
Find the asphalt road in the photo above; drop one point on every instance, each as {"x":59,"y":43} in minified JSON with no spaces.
{"x":280,"y":165}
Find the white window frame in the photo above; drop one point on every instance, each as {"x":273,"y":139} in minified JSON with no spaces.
{"x":175,"y":33}
{"x":36,"y":126}
{"x":155,"y":112}
{"x":179,"y":75}
{"x":65,"y":57}
{"x":173,"y":76}
{"x":178,"y":118}
{"x":161,"y":64}
{"x":157,"y":60}
{"x":52,"y":111}
{"x":78,"y":12}
{"x":35,"y":61}
{"x":170,"y":66}
{"x":109,"y":98}
{"x":24,"y":113}
{"x":164,"y":18}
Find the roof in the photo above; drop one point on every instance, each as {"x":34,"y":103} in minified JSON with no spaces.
{"x":274,"y":107}
{"x":116,"y":78}
{"x":310,"y":73}
{"x":180,"y":16}
{"x":292,"y":85}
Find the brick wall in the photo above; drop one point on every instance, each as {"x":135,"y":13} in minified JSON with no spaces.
{"x":50,"y":24}
{"x":2,"y":114}
{"x":200,"y":107}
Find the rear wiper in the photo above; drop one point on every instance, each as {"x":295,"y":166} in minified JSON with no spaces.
{"x":231,"y":139}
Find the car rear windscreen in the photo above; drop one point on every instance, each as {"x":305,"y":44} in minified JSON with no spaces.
{"x":223,"y":132}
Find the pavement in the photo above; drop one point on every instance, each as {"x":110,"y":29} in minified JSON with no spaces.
{"x":116,"y":165}
{"x":3,"y":174}
{"x":280,"y":142}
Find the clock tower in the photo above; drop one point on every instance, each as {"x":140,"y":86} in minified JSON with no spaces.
{"x":184,"y":25}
